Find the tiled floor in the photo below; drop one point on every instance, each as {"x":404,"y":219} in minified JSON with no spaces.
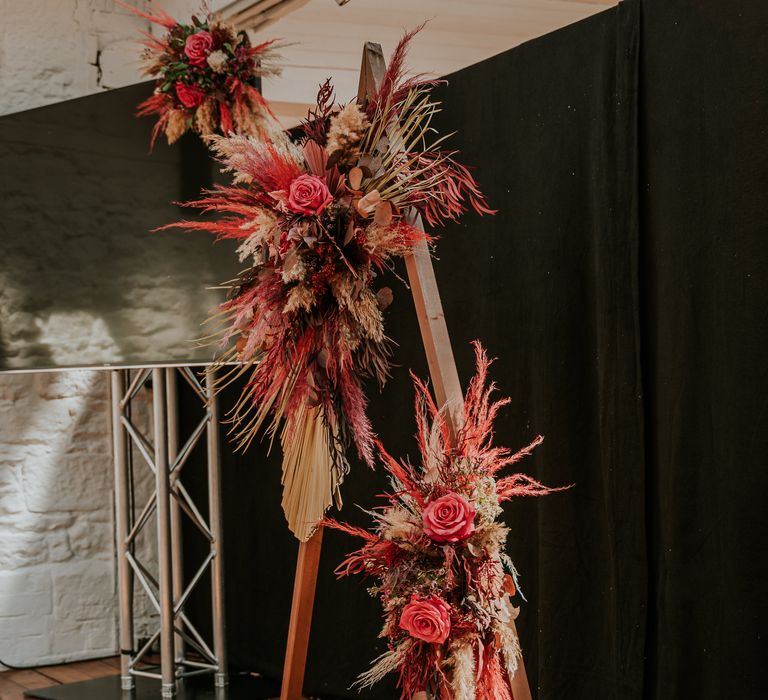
{"x":14,"y":683}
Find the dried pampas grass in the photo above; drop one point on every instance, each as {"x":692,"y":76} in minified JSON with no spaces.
{"x":387,"y":663}
{"x":205,"y":117}
{"x":463,"y":676}
{"x":175,"y":126}
{"x":510,"y":647}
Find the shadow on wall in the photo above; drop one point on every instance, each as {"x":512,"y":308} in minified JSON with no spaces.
{"x":83,"y":278}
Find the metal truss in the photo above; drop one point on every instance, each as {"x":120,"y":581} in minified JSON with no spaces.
{"x":184,"y":652}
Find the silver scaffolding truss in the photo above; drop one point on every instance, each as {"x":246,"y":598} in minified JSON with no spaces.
{"x":183,"y":650}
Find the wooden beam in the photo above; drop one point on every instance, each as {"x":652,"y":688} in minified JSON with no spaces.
{"x":301,"y":617}
{"x":258,"y":14}
{"x":434,"y":331}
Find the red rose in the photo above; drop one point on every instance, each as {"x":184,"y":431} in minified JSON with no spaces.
{"x":190,"y":95}
{"x":449,"y":518}
{"x":197,"y":47}
{"x":428,"y":619}
{"x":308,"y":194}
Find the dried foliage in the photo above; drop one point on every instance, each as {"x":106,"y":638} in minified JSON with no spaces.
{"x":206,"y":75}
{"x":436,"y":554}
{"x":317,"y":222}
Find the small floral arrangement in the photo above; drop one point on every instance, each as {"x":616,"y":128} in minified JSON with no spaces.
{"x":437,"y":555}
{"x":317,"y":221}
{"x":206,"y":74}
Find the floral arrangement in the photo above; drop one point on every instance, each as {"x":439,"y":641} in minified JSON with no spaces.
{"x":437,"y":557}
{"x":206,"y":74}
{"x":318,"y":219}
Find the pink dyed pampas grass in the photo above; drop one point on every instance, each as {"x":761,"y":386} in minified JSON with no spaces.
{"x":436,"y":558}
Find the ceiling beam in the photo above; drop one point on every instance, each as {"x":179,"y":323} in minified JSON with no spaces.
{"x":257,"y":14}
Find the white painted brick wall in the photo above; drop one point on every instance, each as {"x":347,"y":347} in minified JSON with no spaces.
{"x":57,"y":583}
{"x":53,"y":50}
{"x":57,"y":567}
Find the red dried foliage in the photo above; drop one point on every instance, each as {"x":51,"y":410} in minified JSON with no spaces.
{"x":315,"y":126}
{"x":160,"y":17}
{"x":405,"y":562}
{"x":493,"y":683}
{"x":395,"y":85}
{"x":522,"y":485}
{"x":441,"y":189}
{"x":454,"y":192}
{"x":159,"y":104}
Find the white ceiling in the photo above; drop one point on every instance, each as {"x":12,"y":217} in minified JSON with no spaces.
{"x":328,"y":39}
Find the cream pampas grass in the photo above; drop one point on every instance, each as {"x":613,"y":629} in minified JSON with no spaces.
{"x":509,"y":643}
{"x":387,"y":663}
{"x":463,"y":676}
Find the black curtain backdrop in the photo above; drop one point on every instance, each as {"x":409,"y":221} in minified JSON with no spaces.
{"x":703,"y":265}
{"x":622,"y":287}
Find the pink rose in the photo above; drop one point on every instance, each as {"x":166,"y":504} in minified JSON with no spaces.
{"x":308,"y":194}
{"x":197,"y":47}
{"x":449,"y":518}
{"x":428,"y":619}
{"x":190,"y":95}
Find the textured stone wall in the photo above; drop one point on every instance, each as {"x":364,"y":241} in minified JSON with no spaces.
{"x":53,"y":50}
{"x":56,"y":552}
{"x":57,"y":566}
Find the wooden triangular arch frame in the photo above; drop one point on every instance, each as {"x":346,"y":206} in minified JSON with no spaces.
{"x":445,"y":380}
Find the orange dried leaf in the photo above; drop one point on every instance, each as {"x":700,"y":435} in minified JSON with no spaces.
{"x":355,"y":178}
{"x":383,"y":215}
{"x":367,"y":205}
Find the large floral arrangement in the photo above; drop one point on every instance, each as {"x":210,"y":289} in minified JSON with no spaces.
{"x":437,"y":557}
{"x":318,"y":220}
{"x":206,"y":75}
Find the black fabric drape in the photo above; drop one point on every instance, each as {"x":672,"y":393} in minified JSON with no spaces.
{"x":622,"y":287}
{"x":704,"y":148}
{"x":550,"y":286}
